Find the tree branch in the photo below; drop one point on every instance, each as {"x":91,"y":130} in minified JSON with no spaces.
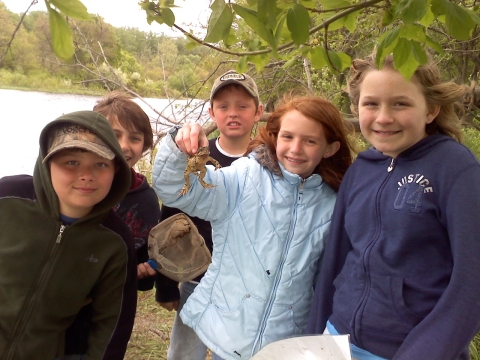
{"x":9,"y":44}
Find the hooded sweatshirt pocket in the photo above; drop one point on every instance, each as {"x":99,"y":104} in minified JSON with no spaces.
{"x":385,"y":306}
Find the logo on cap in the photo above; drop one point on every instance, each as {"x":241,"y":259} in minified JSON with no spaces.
{"x":232,"y":76}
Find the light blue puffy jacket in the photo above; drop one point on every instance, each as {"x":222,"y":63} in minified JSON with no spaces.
{"x":268,"y":234}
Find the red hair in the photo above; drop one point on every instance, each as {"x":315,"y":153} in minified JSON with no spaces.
{"x":331,"y":169}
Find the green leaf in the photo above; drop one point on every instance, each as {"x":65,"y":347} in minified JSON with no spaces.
{"x":419,"y":53}
{"x":217,"y":6}
{"x":411,"y":11}
{"x":337,"y":24}
{"x":220,"y":22}
{"x":191,"y":44}
{"x":73,"y":8}
{"x":388,"y":15}
{"x":434,"y":45}
{"x":242,"y":65}
{"x":403,"y":58}
{"x":62,"y":38}
{"x":304,"y":50}
{"x":335,"y":63}
{"x":250,"y":17}
{"x":414,"y":32}
{"x":309,"y":3}
{"x":298,"y":22}
{"x":167,"y":3}
{"x":386,"y":45}
{"x":289,"y":63}
{"x":151,"y":18}
{"x":230,"y":39}
{"x":345,"y":61}
{"x":473,"y":15}
{"x":459,"y":21}
{"x":267,"y":10}
{"x":351,"y":21}
{"x":318,"y":57}
{"x":334,"y":4}
{"x":168,"y":16}
{"x":428,"y":18}
{"x":281,"y":32}
{"x":259,"y":61}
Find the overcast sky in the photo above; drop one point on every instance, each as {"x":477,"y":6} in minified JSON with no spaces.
{"x":119,"y":13}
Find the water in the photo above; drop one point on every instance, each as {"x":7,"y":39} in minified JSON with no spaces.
{"x":23,"y":114}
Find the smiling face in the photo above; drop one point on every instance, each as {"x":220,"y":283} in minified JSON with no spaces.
{"x":81,"y":179}
{"x":392,"y":111}
{"x":301,"y":144}
{"x":131,"y":142}
{"x":234,"y":111}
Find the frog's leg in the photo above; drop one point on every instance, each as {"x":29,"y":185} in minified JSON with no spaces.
{"x":201,"y":174}
{"x":186,"y":176}
{"x":215,"y":162}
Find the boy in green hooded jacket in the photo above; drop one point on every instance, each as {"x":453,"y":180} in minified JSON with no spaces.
{"x":62,"y":246}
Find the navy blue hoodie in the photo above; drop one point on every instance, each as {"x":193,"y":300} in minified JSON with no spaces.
{"x":400,"y":271}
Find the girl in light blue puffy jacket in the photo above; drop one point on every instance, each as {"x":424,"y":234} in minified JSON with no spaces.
{"x":270,"y":214}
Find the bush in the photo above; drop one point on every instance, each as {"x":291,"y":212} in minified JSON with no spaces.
{"x":472,"y":140}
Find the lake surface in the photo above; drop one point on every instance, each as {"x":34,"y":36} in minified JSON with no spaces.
{"x":23,"y":114}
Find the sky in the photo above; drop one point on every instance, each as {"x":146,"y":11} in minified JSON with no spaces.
{"x":119,"y":13}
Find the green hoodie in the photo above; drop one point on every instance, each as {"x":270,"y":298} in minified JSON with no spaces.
{"x":49,"y":271}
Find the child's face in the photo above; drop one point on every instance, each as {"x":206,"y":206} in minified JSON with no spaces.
{"x":301,"y":144}
{"x":131,"y":142}
{"x":81,"y":179}
{"x":393,"y":112}
{"x":234,"y":111}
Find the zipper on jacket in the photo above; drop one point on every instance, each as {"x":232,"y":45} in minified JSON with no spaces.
{"x":390,"y":168}
{"x":25,"y":314}
{"x":60,"y":232}
{"x":358,"y":312}
{"x":300,"y":190}
{"x":268,"y":308}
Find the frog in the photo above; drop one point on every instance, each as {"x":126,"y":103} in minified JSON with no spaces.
{"x":196,"y":165}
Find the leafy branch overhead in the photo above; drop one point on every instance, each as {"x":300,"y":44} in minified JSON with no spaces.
{"x":264,"y":31}
{"x":62,"y":37}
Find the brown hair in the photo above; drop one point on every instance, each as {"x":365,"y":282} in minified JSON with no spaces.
{"x":446,"y":95}
{"x":119,"y":106}
{"x":331,"y":169}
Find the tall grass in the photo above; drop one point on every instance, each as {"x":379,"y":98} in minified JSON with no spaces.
{"x":475,"y":348}
{"x":151,"y":332}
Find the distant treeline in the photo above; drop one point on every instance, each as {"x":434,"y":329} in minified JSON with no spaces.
{"x":105,"y":58}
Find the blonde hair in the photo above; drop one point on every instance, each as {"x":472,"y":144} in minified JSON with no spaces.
{"x":447,"y":95}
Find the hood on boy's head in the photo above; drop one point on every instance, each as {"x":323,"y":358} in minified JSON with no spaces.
{"x":88,"y":130}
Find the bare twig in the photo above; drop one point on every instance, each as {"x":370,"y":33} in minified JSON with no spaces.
{"x":9,"y":44}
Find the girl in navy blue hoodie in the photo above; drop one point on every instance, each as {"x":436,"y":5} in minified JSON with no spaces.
{"x":400,"y":271}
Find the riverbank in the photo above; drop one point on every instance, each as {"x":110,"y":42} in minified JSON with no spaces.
{"x":54,"y":91}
